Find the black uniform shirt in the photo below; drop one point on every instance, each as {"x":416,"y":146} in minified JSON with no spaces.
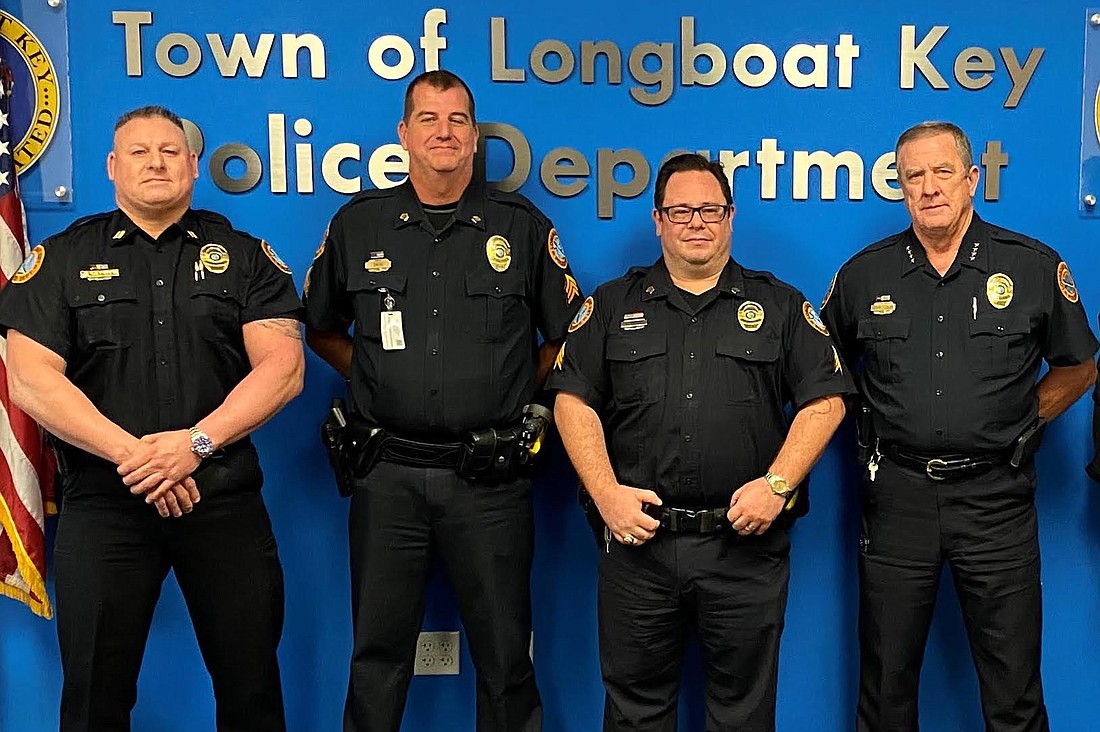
{"x":693,"y":401}
{"x":471,"y":297}
{"x":150,"y":330}
{"x":949,"y":364}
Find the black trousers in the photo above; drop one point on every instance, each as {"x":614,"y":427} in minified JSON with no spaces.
{"x":985,"y":529}
{"x":484,"y":533}
{"x":731,"y":590}
{"x":111,"y":557}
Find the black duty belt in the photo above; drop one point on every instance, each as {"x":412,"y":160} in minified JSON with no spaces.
{"x":421,"y":454}
{"x":689,"y":520}
{"x":947,"y":466}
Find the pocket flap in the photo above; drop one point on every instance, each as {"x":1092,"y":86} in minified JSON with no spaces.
{"x":882,"y":327}
{"x":635,"y":347}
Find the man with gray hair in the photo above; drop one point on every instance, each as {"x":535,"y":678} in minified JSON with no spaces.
{"x":150,"y":341}
{"x":946,"y":325}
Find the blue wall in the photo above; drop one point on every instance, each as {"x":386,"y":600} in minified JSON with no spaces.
{"x":804,"y":241}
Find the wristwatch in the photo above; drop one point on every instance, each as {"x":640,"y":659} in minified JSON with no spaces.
{"x":778,"y":485}
{"x":201,"y":444}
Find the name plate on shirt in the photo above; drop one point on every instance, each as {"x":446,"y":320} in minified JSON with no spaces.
{"x":393,"y":333}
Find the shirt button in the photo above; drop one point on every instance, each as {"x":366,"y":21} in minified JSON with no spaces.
{"x":160,"y":283}
{"x":433,"y":392}
{"x":939,"y":433}
{"x":438,"y":239}
{"x":101,"y":298}
{"x":693,"y":320}
{"x":633,"y":352}
{"x":435,"y":352}
{"x":689,"y":395}
{"x":691,"y":355}
{"x":435,"y":311}
{"x":1000,"y":328}
{"x":160,"y":321}
{"x":939,"y":318}
{"x":435,"y":273}
{"x":163,"y":363}
{"x":748,"y":351}
{"x":496,"y":290}
{"x":939,"y":354}
{"x":939,"y":392}
{"x":687,"y":438}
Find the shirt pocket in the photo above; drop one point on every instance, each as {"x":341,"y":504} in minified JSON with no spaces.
{"x":884,"y":341}
{"x":105,"y":315}
{"x":747,"y":362}
{"x":998,"y":344}
{"x":496,"y":305}
{"x":216,"y":310}
{"x":368,"y":291}
{"x":638,"y":367}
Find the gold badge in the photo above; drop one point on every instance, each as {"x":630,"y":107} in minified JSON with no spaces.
{"x":98,"y":273}
{"x":582,"y":316}
{"x":571,"y":289}
{"x":750,"y":315}
{"x":377,"y":265}
{"x":30,"y":265}
{"x":404,"y":216}
{"x":837,"y":367}
{"x":813,"y":318}
{"x":829,"y":293}
{"x":275,"y":259}
{"x":499,"y":252}
{"x":557,"y":251}
{"x":561,"y":357}
{"x":883,"y":305}
{"x":214,"y":258}
{"x":998,"y":289}
{"x":1066,"y":283}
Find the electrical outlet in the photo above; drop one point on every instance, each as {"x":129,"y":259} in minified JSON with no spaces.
{"x":437,"y":654}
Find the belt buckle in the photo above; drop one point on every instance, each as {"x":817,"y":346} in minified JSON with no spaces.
{"x":935,"y":464}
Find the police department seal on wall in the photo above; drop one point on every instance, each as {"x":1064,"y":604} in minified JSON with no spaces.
{"x":42,"y":120}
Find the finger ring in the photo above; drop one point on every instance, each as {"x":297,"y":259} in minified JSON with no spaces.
{"x":751,"y":527}
{"x":629,"y":539}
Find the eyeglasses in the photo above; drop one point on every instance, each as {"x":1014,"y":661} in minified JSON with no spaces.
{"x":710,"y":214}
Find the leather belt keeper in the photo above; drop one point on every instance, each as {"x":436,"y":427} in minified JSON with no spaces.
{"x":689,"y":520}
{"x":945,"y":467}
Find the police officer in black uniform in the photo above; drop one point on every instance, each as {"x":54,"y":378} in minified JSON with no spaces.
{"x":672,"y":388}
{"x":446,"y":282}
{"x":151,"y":341}
{"x":947,"y":323}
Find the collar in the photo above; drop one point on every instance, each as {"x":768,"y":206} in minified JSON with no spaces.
{"x":408,"y":211}
{"x":973,"y":250}
{"x":657,"y":282}
{"x":122,"y":228}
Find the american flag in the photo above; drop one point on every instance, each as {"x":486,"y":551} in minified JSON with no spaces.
{"x":26,"y":464}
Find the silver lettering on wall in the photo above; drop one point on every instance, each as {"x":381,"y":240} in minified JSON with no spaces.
{"x":253,"y":168}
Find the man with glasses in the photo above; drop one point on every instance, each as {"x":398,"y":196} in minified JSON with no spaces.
{"x":672,"y":387}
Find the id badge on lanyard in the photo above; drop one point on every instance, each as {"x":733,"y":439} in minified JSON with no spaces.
{"x":393,"y":333}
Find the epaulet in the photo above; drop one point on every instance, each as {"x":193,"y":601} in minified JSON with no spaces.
{"x":875,"y":247}
{"x":369,"y":194}
{"x":212,"y":217}
{"x":764,"y":276}
{"x":1008,"y":236}
{"x":87,"y":220}
{"x":515,"y":199}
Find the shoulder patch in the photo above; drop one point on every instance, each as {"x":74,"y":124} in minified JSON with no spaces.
{"x":30,"y":266}
{"x":1066,"y":283}
{"x":557,"y":251}
{"x":829,"y":292}
{"x":582,"y":316}
{"x":813,"y":318}
{"x":275,"y":259}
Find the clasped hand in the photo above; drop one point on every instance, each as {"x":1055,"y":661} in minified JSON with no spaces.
{"x":160,"y":466}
